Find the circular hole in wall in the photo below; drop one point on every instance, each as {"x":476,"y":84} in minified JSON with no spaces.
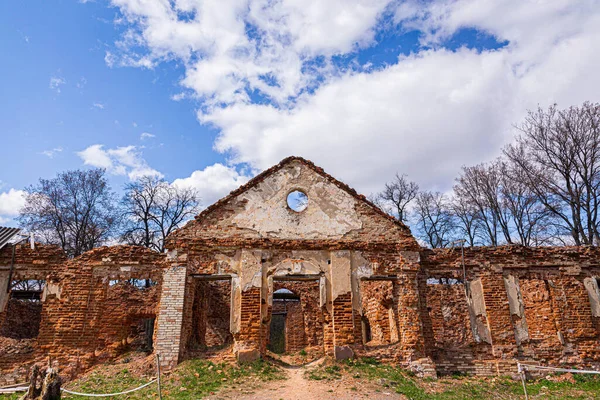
{"x":297,"y":200}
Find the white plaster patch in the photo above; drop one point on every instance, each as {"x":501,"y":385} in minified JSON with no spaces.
{"x":51,"y":288}
{"x":330,"y":212}
{"x":341,"y":282}
{"x":591,"y":285}
{"x":236,"y":304}
{"x":251,"y":269}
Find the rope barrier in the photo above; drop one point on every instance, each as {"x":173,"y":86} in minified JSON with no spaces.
{"x":543,"y":368}
{"x":14,"y":385}
{"x":522,"y":368}
{"x":14,"y":389}
{"x":108,"y":394}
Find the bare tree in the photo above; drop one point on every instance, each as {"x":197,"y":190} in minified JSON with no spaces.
{"x":434,"y":220}
{"x":480,"y":186}
{"x":558,"y":153}
{"x":74,"y":210}
{"x":466,"y":219}
{"x":397,"y":195}
{"x":529,"y":218}
{"x":152,"y":209}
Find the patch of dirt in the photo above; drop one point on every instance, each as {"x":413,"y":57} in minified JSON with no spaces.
{"x":298,"y":387}
{"x":306,"y":356}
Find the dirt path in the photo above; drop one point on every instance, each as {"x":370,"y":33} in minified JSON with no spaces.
{"x":297,"y":387}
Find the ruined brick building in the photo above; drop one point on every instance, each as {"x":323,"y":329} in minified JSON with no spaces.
{"x":252,"y":275}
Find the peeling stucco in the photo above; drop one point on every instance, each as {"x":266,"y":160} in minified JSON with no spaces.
{"x":330,"y":212}
{"x":517,"y":309}
{"x":477,"y":313}
{"x":341,"y":267}
{"x":591,"y":285}
{"x":251,"y":269}
{"x":51,"y":289}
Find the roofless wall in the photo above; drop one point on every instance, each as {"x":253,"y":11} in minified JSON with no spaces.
{"x":355,"y":283}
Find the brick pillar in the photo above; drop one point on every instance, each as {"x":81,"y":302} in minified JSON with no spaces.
{"x":342,"y":309}
{"x":250,"y":334}
{"x":504,"y":344}
{"x":406,"y":299}
{"x":170,"y":316}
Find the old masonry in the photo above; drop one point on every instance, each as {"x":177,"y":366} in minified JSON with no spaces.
{"x":251,"y":275}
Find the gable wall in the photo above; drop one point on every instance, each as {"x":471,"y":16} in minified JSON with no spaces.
{"x":260,"y":211}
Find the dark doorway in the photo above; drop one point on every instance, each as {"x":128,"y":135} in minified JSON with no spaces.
{"x":277,"y":334}
{"x":211,"y":314}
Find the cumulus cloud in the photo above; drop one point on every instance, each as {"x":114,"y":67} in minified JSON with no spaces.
{"x":213,"y":182}
{"x":425,"y":114}
{"x":98,"y":106}
{"x":10,"y":204}
{"x":230,"y":46}
{"x":126,"y":160}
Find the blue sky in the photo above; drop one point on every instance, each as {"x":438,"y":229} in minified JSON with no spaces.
{"x":95,"y":104}
{"x":208,"y":93}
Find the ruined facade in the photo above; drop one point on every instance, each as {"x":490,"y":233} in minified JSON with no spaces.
{"x":252,"y":275}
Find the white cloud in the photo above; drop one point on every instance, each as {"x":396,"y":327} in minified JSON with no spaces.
{"x":412,"y":117}
{"x":146,"y":135}
{"x":11,"y":202}
{"x":213,"y":182}
{"x":125,"y":160}
{"x":56,"y":82}
{"x":426,"y":114}
{"x":223,"y":58}
{"x":98,"y":106}
{"x":52,"y":152}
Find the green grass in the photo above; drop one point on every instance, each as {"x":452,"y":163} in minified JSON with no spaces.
{"x":457,"y":387}
{"x":196,"y":379}
{"x":191,"y":380}
{"x":14,"y":396}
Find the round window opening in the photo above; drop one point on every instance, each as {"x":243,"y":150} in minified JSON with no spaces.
{"x":297,"y":201}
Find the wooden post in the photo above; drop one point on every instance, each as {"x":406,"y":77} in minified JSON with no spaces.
{"x":522,"y":373}
{"x":158,"y":375}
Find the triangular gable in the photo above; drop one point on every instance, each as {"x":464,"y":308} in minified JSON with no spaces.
{"x":259,"y":209}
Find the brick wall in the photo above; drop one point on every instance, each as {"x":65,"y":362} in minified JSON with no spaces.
{"x":378,"y":308}
{"x":536,"y":306}
{"x":22,"y":319}
{"x":169,"y":331}
{"x":249,"y":336}
{"x":211,"y":314}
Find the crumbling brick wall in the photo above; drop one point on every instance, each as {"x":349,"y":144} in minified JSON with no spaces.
{"x":126,"y":313}
{"x":294,"y":328}
{"x":250,"y":323}
{"x":535,"y":306}
{"x":378,"y":308}
{"x":22,"y":319}
{"x":82,"y":320}
{"x":311,"y":312}
{"x":211,"y":314}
